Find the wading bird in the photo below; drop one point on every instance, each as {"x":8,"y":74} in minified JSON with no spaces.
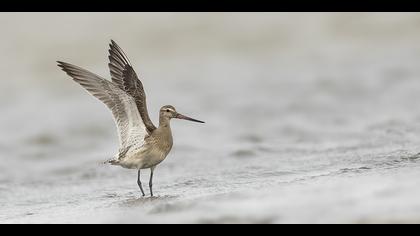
{"x":142,"y":145}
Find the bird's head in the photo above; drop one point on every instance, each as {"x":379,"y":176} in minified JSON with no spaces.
{"x":169,"y":112}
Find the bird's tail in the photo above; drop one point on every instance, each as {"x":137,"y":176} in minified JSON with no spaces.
{"x":112,"y":161}
{"x":115,"y":160}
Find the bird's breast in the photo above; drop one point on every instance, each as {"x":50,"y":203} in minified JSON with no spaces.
{"x":162,"y":140}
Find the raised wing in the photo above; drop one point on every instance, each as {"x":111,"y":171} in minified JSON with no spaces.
{"x":124,"y":76}
{"x":131,"y":128}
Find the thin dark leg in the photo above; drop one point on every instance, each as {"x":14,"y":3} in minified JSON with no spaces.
{"x":151,"y":181}
{"x":139,"y":183}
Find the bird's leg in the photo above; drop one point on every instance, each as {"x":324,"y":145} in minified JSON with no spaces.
{"x":139,"y":183}
{"x":151,"y":181}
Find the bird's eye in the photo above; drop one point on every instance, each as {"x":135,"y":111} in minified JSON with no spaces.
{"x":167,"y":110}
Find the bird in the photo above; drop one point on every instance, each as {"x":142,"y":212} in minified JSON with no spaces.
{"x":142,"y":145}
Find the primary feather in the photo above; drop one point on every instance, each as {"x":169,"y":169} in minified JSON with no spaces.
{"x":124,"y":76}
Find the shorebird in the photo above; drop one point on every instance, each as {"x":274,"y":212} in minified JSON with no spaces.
{"x":142,"y":145}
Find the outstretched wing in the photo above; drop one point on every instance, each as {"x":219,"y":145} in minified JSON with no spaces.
{"x":131,"y":128}
{"x":124,"y":76}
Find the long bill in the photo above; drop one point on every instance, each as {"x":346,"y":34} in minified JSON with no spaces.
{"x":179,"y":116}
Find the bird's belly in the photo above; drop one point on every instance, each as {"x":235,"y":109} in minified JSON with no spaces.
{"x":143,"y":159}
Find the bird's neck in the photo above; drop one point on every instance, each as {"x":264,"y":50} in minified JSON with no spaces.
{"x":164,"y":122}
{"x":164,"y":130}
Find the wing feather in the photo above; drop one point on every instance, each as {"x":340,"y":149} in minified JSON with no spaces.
{"x":124,"y":76}
{"x":124,"y":109}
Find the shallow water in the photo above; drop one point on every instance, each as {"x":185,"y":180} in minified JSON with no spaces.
{"x":310,"y":118}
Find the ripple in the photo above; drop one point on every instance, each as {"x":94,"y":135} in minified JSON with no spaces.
{"x":142,"y":201}
{"x":277,"y":173}
{"x":171,"y":207}
{"x":252,"y":138}
{"x":244,"y":153}
{"x":44,"y":139}
{"x":111,"y":195}
{"x":353,"y":170}
{"x":191,"y":182}
{"x":412,"y":158}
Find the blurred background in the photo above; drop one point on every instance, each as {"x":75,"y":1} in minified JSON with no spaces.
{"x":310,"y":118}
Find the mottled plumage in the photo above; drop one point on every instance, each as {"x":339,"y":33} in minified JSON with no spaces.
{"x":142,"y":145}
{"x":124,"y":76}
